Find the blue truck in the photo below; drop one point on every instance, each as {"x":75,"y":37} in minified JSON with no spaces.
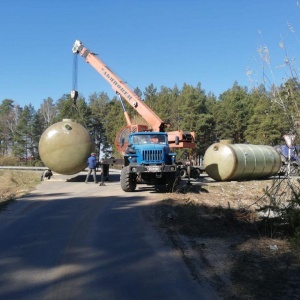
{"x":148,"y":159}
{"x":146,"y":147}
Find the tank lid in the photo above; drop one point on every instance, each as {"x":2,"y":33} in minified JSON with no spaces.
{"x":68,"y":120}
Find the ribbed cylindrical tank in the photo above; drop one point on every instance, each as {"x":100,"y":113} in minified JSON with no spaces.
{"x":225,"y":162}
{"x":65,"y":146}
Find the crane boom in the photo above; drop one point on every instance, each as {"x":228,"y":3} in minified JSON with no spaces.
{"x":120,"y":87}
{"x":186,"y":139}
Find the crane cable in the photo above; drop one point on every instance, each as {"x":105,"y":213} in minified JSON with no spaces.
{"x":74,"y":92}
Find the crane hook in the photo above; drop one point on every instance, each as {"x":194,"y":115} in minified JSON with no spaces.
{"x":74,"y":96}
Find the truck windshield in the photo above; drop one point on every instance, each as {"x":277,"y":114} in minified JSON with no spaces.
{"x":149,"y":139}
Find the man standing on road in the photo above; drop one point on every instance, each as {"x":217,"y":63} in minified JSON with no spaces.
{"x":92,"y":163}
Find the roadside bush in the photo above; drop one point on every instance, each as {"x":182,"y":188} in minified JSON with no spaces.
{"x":15,"y":161}
{"x":8,"y":160}
{"x":38,"y":163}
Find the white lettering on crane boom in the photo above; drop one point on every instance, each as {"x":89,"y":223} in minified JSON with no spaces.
{"x":117,"y":84}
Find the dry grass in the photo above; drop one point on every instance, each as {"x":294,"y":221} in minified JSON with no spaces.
{"x":17,"y":183}
{"x":215,"y":227}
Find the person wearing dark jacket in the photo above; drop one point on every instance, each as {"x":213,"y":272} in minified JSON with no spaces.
{"x":92,"y":164}
{"x":46,"y":174}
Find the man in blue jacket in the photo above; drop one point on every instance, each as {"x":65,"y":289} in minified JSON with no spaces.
{"x":92,"y":163}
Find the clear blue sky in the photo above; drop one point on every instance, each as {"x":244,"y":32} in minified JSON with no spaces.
{"x":163,"y":42}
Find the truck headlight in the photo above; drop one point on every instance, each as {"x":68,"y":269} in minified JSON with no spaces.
{"x":132,"y":159}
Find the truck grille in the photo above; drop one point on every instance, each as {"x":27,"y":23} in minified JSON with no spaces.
{"x":153,"y":155}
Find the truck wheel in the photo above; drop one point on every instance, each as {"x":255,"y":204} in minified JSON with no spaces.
{"x":283,"y":170}
{"x":128,"y":180}
{"x":172,"y":183}
{"x":195,"y":173}
{"x":182,"y":173}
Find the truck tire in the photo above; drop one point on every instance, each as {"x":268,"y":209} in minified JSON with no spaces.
{"x":283,"y":170}
{"x":182,"y":173}
{"x":172,"y":183}
{"x":128,"y":180}
{"x":195,"y":173}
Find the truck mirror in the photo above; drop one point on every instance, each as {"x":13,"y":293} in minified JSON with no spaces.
{"x":176,"y":140}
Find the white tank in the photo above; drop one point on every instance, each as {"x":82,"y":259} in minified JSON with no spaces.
{"x":241,"y":161}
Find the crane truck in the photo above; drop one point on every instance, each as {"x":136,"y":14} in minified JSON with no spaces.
{"x":146,"y":148}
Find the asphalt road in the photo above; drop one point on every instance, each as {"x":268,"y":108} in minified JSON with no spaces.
{"x":71,"y":240}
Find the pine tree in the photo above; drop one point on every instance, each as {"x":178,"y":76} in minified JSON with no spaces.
{"x":6,"y":109}
{"x":25,"y":142}
{"x":231,"y":113}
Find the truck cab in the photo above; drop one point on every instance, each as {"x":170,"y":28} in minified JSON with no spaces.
{"x":148,"y":158}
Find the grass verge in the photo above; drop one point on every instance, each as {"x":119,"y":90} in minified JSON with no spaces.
{"x":15,"y":184}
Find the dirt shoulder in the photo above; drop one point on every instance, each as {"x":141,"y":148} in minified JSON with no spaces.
{"x":215,"y":228}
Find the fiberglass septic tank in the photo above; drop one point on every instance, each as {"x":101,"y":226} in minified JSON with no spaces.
{"x":65,"y":146}
{"x":225,"y":161}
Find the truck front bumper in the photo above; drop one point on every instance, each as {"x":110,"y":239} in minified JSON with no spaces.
{"x":152,"y":169}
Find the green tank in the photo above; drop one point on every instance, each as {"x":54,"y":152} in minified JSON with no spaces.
{"x":225,"y":162}
{"x":65,"y":146}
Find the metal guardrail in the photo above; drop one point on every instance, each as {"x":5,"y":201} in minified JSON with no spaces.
{"x":23,"y":168}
